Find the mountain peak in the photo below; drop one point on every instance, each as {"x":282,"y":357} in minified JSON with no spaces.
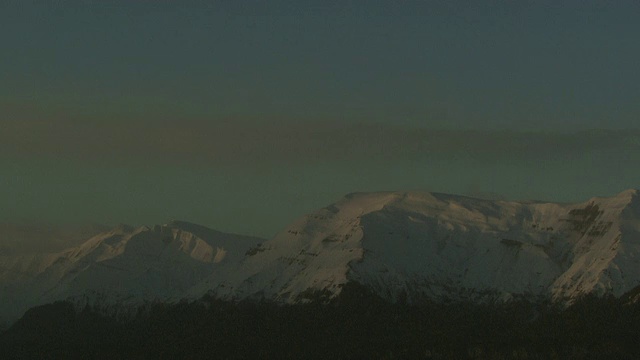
{"x":627,"y":194}
{"x":182,"y":224}
{"x":122,"y":228}
{"x":411,"y":245}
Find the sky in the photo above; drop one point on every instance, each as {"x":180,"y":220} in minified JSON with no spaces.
{"x":244,"y":115}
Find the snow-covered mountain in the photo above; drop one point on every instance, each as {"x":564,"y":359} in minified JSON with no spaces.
{"x":411,"y":245}
{"x":125,"y":265}
{"x":402,"y":245}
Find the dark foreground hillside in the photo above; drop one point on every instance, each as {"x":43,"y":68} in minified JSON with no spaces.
{"x":356,"y":326}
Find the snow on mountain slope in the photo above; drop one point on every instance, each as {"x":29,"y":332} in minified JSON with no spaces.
{"x":134,"y":264}
{"x":413,"y":245}
{"x":402,"y":245}
{"x":313,"y":254}
{"x":606,"y":257}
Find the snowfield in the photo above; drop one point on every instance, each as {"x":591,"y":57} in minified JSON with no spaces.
{"x":404,"y":246}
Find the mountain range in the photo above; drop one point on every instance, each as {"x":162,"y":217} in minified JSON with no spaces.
{"x":402,"y":246}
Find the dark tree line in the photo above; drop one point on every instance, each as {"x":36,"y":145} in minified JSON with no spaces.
{"x":357,"y":325}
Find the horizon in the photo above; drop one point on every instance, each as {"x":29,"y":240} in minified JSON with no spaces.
{"x":26,"y":237}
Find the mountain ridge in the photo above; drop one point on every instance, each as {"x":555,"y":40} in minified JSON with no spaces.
{"x":404,"y":246}
{"x":545,"y":233}
{"x":136,"y":264}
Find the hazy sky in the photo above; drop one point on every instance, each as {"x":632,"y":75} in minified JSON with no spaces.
{"x":243,"y":115}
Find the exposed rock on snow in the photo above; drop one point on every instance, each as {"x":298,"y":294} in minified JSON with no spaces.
{"x":414,"y":245}
{"x":402,"y":245}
